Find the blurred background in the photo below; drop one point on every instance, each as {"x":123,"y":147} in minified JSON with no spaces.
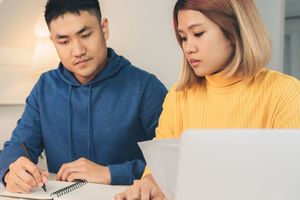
{"x":141,"y":30}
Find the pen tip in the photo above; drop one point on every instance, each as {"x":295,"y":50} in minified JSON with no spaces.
{"x":44,"y":188}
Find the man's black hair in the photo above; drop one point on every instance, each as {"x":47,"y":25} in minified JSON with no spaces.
{"x":57,"y":8}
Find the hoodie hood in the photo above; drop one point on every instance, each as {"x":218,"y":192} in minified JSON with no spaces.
{"x":114,"y":64}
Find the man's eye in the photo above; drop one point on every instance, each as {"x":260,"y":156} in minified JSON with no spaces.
{"x":64,"y":42}
{"x":86,"y":35}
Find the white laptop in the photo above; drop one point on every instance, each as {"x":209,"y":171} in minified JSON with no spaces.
{"x":247,"y":164}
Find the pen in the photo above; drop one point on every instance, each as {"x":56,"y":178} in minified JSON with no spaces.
{"x":28,"y":156}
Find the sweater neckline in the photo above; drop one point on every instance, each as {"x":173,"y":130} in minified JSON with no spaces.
{"x":220,"y":81}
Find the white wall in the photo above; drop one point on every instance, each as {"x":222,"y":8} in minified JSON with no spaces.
{"x":273,"y":14}
{"x":292,"y":60}
{"x":142,"y":31}
{"x":9,"y":114}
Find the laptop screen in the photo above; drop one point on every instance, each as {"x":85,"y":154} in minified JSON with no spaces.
{"x":239,"y":164}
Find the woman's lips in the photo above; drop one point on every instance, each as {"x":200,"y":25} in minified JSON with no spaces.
{"x":194,"y":62}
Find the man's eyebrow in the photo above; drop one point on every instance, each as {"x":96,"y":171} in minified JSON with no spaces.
{"x":83,"y":29}
{"x":59,"y":36}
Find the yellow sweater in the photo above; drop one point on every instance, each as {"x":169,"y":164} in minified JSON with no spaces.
{"x":269,"y":100}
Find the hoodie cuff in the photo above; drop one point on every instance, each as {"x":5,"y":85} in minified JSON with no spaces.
{"x":120,"y":175}
{"x":2,"y":175}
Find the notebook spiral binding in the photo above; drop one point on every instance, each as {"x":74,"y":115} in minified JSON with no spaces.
{"x":68,"y":189}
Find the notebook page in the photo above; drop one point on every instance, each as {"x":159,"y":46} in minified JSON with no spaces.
{"x":92,"y":191}
{"x":88,"y":191}
{"x":39,"y":193}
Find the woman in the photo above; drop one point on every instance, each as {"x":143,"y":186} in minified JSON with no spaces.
{"x":224,"y":81}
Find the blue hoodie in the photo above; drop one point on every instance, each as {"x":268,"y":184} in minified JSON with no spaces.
{"x":101,"y":120}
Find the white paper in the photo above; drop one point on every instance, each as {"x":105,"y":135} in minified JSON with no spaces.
{"x":90,"y":191}
{"x":162,"y":158}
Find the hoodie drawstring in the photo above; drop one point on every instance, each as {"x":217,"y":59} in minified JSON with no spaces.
{"x":90,"y":134}
{"x":70,"y":124}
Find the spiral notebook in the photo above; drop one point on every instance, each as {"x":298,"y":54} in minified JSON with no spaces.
{"x":55,"y":190}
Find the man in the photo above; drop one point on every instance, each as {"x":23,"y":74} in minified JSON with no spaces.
{"x":89,"y":113}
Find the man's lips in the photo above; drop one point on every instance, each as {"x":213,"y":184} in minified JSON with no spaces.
{"x":82,"y":61}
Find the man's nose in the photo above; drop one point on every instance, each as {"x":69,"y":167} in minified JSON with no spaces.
{"x":78,"y":49}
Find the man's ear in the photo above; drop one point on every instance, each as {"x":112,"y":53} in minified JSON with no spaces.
{"x":104,"y":28}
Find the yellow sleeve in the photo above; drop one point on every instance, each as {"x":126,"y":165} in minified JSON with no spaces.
{"x":166,"y":124}
{"x":288,"y":115}
{"x":147,"y":171}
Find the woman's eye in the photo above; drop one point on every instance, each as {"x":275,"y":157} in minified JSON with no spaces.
{"x":182,"y":39}
{"x":198,"y":34}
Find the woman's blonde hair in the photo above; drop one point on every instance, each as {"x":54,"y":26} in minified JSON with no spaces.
{"x":241,"y":24}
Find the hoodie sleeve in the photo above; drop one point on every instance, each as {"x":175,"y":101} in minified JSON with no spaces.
{"x":151,"y":105}
{"x":126,"y":173}
{"x":152,"y":97}
{"x":28,"y":130}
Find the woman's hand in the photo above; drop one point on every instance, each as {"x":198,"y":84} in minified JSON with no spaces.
{"x":144,"y":189}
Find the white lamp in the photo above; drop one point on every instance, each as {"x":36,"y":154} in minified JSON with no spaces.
{"x":44,"y":56}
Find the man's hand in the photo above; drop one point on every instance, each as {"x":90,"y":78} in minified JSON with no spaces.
{"x":23,"y":176}
{"x":85,"y":170}
{"x":145,"y":189}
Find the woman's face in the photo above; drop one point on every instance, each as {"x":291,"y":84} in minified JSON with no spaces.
{"x":205,"y":47}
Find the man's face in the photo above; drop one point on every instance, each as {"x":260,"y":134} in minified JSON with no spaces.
{"x":80,"y":41}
